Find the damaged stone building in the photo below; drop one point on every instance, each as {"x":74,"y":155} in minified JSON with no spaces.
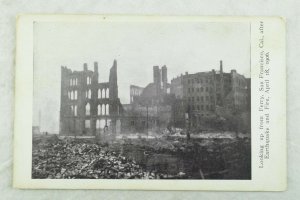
{"x":87,"y":106}
{"x":150,"y":107}
{"x":199,"y":95}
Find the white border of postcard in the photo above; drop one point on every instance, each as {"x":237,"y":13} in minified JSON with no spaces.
{"x":272,"y":177}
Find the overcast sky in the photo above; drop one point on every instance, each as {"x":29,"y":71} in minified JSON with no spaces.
{"x":137,"y":47}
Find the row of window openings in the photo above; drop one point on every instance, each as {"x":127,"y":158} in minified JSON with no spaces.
{"x":199,"y":89}
{"x":74,"y":81}
{"x":202,"y":98}
{"x":239,"y":82}
{"x":197,"y":80}
{"x":135,"y":92}
{"x":102,"y":109}
{"x":74,"y":110}
{"x":104,"y":93}
{"x":100,"y":123}
{"x":72,"y":95}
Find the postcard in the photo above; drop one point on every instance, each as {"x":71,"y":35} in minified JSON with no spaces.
{"x":150,"y":103}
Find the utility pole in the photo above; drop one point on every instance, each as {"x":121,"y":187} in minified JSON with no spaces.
{"x":147,"y":119}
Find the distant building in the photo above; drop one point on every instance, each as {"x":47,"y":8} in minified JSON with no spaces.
{"x":200,"y":94}
{"x":151,"y":106}
{"x":154,"y":93}
{"x":135,"y":93}
{"x":87,"y":106}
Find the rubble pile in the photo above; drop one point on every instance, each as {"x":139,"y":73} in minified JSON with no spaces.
{"x":69,"y":160}
{"x":217,"y":158}
{"x":175,"y":158}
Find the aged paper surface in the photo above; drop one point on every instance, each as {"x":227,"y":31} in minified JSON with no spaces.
{"x":67,"y":124}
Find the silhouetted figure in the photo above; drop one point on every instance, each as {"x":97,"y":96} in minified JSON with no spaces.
{"x":188,"y":136}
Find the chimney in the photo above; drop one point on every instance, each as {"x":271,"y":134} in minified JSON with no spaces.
{"x":95,"y":66}
{"x":156,"y":74}
{"x":164,"y":78}
{"x":221,"y":66}
{"x":115,"y":63}
{"x":113,"y":81}
{"x":85,"y":67}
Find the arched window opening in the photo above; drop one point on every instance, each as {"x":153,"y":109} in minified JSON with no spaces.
{"x":102,"y":123}
{"x":72,"y":95}
{"x":88,"y":80}
{"x":87,"y":124}
{"x":72,"y":110}
{"x":70,"y":82}
{"x":103,"y":109}
{"x":99,"y":93}
{"x":75,"y":94}
{"x":90,"y":94}
{"x":99,"y":109}
{"x":87,"y":109}
{"x":108,"y":122}
{"x":75,"y":110}
{"x":98,"y":124}
{"x":107,"y":109}
{"x":103,"y":94}
{"x":107,"y":93}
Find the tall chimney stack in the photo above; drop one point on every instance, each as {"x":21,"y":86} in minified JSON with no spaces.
{"x":164,"y":78}
{"x":95,"y":66}
{"x":221,"y":66}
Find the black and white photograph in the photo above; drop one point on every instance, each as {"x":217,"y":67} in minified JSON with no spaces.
{"x":141,"y":100}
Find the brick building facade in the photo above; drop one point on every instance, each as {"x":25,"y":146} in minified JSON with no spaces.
{"x":87,"y":106}
{"x":200,"y":94}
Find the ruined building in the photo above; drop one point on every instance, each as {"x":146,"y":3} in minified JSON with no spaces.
{"x":88,"y":107}
{"x":150,"y":107}
{"x":200,"y":94}
{"x":155,"y":92}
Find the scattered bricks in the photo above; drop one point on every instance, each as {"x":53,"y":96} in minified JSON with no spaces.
{"x":68,"y":159}
{"x":142,"y":159}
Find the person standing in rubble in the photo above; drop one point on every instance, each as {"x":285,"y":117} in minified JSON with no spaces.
{"x":188,"y":135}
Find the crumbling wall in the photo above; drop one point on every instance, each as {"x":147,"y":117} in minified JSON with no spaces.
{"x":85,"y":102}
